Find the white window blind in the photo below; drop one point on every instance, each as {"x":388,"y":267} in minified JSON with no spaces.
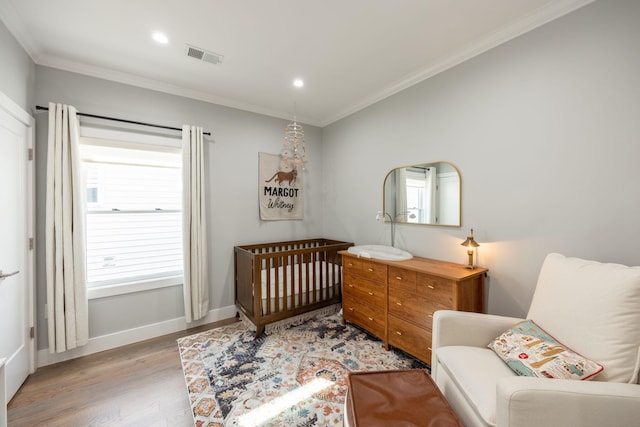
{"x":416,"y":197}
{"x":134,"y":221}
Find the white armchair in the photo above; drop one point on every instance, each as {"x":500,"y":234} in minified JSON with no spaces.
{"x":592,"y":308}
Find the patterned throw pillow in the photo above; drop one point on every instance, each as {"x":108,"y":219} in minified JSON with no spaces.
{"x":529,"y":351}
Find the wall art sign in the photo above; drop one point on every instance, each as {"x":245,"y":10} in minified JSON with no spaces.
{"x":280,"y":187}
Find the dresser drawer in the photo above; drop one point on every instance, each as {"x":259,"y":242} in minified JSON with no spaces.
{"x":348,"y":276}
{"x":415,"y":308}
{"x":436,"y":289}
{"x":372,"y":319}
{"x":351,"y":264}
{"x":410,"y":338}
{"x":374,"y":271}
{"x":368,"y":269}
{"x":401,"y":278}
{"x":372,"y":293}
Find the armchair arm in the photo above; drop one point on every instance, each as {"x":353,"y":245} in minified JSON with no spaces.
{"x":464,"y":328}
{"x":471,"y":329}
{"x":526,"y":401}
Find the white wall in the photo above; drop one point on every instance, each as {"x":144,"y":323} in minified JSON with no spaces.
{"x":232,"y":170}
{"x":17,"y":70}
{"x":545,"y":131}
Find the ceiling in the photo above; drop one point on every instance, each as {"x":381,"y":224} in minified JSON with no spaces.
{"x":350,"y":53}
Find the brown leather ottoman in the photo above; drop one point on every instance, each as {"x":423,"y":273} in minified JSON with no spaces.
{"x":396,"y":398}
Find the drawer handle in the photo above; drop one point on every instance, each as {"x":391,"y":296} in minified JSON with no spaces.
{"x":431,"y":287}
{"x":398,"y":278}
{"x":398,"y":333}
{"x":430,"y":315}
{"x":429,"y":348}
{"x":370,"y":293}
{"x":350,"y":308}
{"x":371,"y":318}
{"x":350,"y":264}
{"x":370,"y":270}
{"x":350,"y":285}
{"x":399,"y":303}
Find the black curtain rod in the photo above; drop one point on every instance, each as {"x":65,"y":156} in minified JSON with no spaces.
{"x":38,"y":107}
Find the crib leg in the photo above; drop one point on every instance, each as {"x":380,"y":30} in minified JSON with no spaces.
{"x":259,"y":331}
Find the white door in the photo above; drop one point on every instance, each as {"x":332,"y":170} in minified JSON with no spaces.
{"x":448,"y":198}
{"x":16,"y":261}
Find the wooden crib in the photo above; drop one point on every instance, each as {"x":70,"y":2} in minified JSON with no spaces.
{"x":283,"y":280}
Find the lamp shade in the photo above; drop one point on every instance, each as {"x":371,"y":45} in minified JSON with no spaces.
{"x":470,"y":242}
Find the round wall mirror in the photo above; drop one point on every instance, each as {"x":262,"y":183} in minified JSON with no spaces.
{"x":425,"y":193}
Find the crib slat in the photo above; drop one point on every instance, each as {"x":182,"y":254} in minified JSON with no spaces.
{"x":276,"y":269}
{"x":314,"y":281}
{"x":267,"y":305}
{"x":317,"y":281}
{"x":285,"y":282}
{"x":303,"y":297}
{"x":297,"y":294}
{"x":325,"y":289}
{"x":327,"y":275}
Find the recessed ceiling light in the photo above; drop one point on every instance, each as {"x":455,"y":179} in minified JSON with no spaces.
{"x":298,"y":83}
{"x":160,"y":38}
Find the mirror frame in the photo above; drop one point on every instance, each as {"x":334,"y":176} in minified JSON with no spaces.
{"x":402,"y":221}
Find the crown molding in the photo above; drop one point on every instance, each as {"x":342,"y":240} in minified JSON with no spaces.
{"x":152,"y":84}
{"x":536,"y":19}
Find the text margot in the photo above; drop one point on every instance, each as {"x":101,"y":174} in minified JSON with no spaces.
{"x":278,"y":203}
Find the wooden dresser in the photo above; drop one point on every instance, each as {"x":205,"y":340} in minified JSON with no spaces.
{"x":395,"y":300}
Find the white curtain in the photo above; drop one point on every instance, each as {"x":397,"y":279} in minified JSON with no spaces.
{"x":431,"y":203}
{"x":401,"y":194}
{"x":194,"y":228}
{"x":67,"y":305}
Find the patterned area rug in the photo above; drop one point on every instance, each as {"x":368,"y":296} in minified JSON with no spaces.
{"x":293,"y":378}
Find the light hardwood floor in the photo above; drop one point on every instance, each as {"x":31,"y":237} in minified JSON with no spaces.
{"x":136,"y":385}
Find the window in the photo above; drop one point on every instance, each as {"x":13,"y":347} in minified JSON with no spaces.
{"x":133,"y":217}
{"x":421,"y":195}
{"x":418,"y":196}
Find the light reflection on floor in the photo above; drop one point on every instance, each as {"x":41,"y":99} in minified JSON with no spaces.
{"x":257,"y":416}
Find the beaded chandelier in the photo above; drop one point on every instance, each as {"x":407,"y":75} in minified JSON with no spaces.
{"x":293,"y":153}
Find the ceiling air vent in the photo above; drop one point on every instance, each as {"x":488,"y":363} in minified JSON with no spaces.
{"x":203,"y":55}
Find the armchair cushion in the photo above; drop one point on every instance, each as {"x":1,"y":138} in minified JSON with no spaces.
{"x":593,"y":308}
{"x":529,"y":351}
{"x":527,"y":401}
{"x":475,"y":372}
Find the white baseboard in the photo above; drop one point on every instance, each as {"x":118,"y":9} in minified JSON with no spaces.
{"x":130,"y":336}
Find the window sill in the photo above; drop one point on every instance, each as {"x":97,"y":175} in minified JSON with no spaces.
{"x":131,"y":287}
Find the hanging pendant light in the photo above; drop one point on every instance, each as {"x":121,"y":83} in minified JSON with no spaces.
{"x":293,"y":151}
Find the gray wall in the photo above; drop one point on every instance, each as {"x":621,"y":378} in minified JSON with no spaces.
{"x":17,"y":70}
{"x":544,"y":130}
{"x":237,"y":137}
